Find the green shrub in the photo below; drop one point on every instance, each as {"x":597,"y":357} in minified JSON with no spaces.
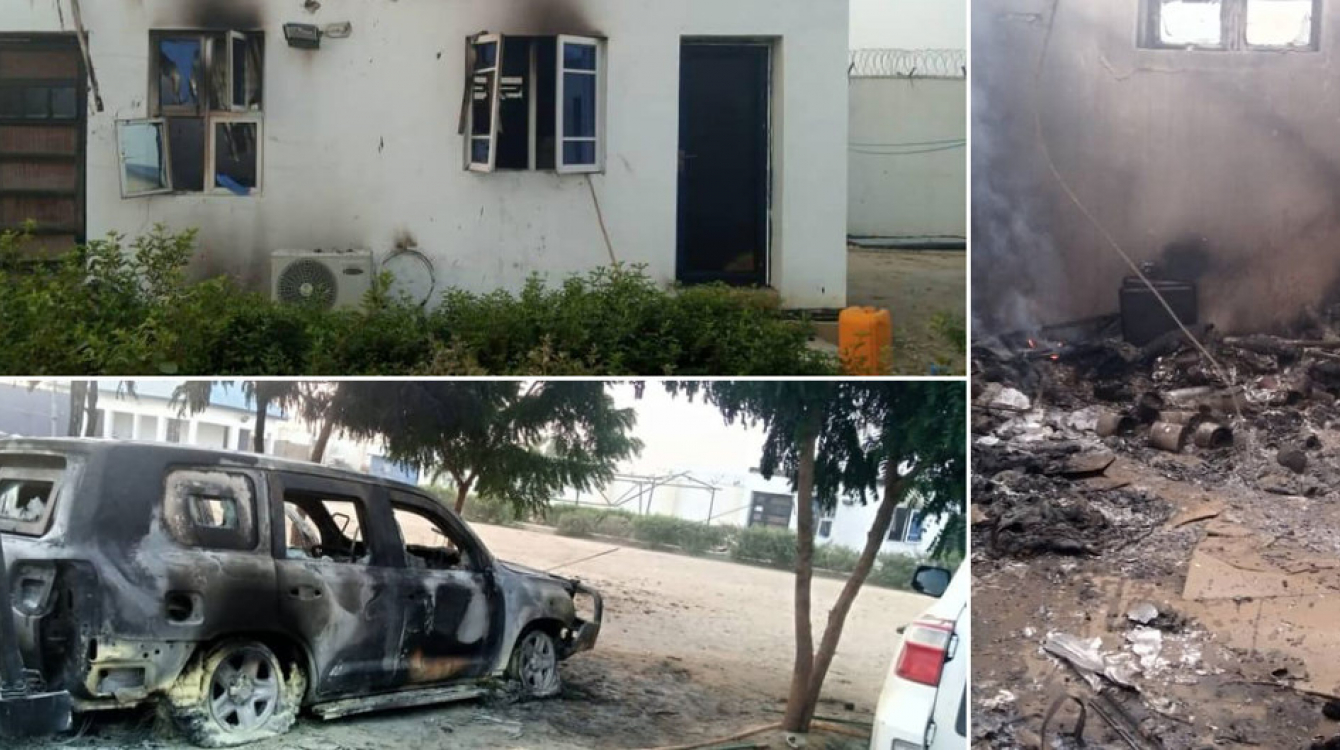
{"x":576,"y":524}
{"x":894,"y":570}
{"x":485,"y":509}
{"x":113,"y":307}
{"x":765,"y":544}
{"x":835,"y":557}
{"x":693,"y":537}
{"x":615,"y":524}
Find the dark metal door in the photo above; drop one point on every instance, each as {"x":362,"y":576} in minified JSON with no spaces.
{"x":43,"y":118}
{"x":723,"y":163}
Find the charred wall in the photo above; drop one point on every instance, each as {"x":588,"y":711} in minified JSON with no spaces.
{"x":1224,"y":165}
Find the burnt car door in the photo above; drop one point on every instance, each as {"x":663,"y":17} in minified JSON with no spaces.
{"x":339,"y":578}
{"x":454,"y":622}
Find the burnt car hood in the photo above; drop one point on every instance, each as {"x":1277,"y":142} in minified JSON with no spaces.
{"x":522,"y":570}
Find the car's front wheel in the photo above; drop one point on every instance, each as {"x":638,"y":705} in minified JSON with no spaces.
{"x":535,"y":664}
{"x":234,"y":693}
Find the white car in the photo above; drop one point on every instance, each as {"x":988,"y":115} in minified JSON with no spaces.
{"x":924,"y":703}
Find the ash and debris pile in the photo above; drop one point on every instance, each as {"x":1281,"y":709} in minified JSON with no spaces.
{"x":1053,"y":411}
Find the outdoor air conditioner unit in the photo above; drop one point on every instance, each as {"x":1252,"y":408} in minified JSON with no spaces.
{"x":328,"y":278}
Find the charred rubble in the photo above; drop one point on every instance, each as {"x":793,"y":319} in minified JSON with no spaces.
{"x":1054,"y":409}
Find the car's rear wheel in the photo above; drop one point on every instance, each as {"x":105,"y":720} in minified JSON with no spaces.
{"x":535,"y":664}
{"x":236,"y":692}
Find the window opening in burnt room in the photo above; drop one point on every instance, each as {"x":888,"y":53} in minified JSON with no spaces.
{"x":206,"y":89}
{"x":535,"y":103}
{"x":1231,"y":25}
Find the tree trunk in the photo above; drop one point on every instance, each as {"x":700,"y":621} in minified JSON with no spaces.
{"x":795,"y":719}
{"x":91,"y":425}
{"x":894,"y":490}
{"x":322,"y":440}
{"x":78,"y":399}
{"x":462,"y":492}
{"x":258,"y":439}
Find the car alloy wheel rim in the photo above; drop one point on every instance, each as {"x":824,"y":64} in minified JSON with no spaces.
{"x":243,"y":691}
{"x":539,"y":663}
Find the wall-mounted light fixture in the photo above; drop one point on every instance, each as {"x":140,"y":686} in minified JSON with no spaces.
{"x":308,"y":35}
{"x":302,"y":35}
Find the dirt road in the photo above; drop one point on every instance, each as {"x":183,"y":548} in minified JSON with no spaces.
{"x":691,"y":649}
{"x":924,"y":291}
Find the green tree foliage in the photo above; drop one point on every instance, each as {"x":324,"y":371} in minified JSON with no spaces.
{"x":523,"y":443}
{"x":881,"y":441}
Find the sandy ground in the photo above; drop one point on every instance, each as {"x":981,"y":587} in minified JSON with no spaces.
{"x":916,"y":286}
{"x":691,"y":649}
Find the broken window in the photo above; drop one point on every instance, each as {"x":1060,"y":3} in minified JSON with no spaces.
{"x":319,"y":527}
{"x":1230,"y":24}
{"x":208,"y":90}
{"x":210,"y":508}
{"x":825,"y":527}
{"x":236,"y":164}
{"x":144,"y":158}
{"x":534,"y":103}
{"x":28,"y":491}
{"x":914,"y":529}
{"x":898,"y":529}
{"x":428,"y":544}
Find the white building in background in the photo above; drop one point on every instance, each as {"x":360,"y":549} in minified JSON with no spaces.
{"x":723,"y":498}
{"x":146,"y":413}
{"x":705,"y":138}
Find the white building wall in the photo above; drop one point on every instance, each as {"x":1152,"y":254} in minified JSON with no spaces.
{"x":851,"y":525}
{"x":908,"y":191}
{"x":361,"y":143}
{"x":146,"y":418}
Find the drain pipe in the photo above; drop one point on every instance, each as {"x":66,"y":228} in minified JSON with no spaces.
{"x":23,"y":711}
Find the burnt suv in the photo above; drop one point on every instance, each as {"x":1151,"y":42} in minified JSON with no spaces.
{"x":235,"y":590}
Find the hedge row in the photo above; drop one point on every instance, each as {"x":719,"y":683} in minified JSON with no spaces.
{"x":116,"y":308}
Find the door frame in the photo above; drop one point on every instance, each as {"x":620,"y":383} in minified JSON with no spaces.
{"x":770,"y":45}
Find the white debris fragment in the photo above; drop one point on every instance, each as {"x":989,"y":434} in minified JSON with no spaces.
{"x":1009,"y":398}
{"x":1087,"y":656}
{"x":1029,"y":632}
{"x":1001,"y":699}
{"x":1147,"y":644}
{"x":1143,"y":613}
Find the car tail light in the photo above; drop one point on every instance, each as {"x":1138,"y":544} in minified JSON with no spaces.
{"x":925,"y":643}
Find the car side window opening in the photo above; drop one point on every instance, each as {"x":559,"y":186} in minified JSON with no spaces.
{"x":211,"y":508}
{"x":428,"y":544}
{"x":324,"y":528}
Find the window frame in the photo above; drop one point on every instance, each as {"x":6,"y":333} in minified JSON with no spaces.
{"x":165,"y":156}
{"x":17,"y":469}
{"x":470,"y":559}
{"x":211,"y":147}
{"x":488,"y":166}
{"x":245,"y":538}
{"x":1232,"y":30}
{"x":206,"y":109}
{"x":560,"y":137}
{"x":898,"y":532}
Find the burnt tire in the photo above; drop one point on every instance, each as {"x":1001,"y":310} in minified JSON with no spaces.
{"x":534,"y":665}
{"x":234,"y":693}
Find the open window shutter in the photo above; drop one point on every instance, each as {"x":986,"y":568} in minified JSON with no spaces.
{"x":142,"y":146}
{"x":581,"y":74}
{"x":482,"y":135}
